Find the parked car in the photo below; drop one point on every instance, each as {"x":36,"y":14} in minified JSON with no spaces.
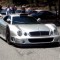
{"x":3,"y":12}
{"x":24,"y":29}
{"x":46,"y":16}
{"x":18,"y":11}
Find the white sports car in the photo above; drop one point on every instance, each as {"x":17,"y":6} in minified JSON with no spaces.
{"x":24,"y":29}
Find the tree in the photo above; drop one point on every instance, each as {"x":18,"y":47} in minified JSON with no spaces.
{"x":59,"y":8}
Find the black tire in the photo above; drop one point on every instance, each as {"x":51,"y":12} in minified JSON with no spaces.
{"x":8,"y":36}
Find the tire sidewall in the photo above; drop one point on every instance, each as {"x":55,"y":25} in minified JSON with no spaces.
{"x":8,"y":35}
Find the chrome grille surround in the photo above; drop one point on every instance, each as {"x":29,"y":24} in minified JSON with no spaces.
{"x":39,"y":33}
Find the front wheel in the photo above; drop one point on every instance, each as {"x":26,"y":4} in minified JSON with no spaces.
{"x":8,"y":36}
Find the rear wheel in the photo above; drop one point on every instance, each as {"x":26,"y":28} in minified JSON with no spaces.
{"x":8,"y":36}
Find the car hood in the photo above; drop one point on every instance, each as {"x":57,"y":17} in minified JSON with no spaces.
{"x":33,"y":27}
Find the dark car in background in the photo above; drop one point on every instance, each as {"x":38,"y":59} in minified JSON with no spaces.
{"x":3,"y":12}
{"x":18,"y":11}
{"x":46,"y":16}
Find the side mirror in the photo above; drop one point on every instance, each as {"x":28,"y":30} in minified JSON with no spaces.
{"x":8,"y":21}
{"x":39,"y":20}
{"x":1,"y":16}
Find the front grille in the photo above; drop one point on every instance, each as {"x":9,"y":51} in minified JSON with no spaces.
{"x":41,"y":40}
{"x":39,"y":33}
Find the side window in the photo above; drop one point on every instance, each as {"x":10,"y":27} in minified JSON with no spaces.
{"x":7,"y":19}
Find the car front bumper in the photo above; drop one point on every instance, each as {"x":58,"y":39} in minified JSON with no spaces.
{"x":35,"y":40}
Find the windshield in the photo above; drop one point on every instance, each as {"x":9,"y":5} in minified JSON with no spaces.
{"x":24,"y":20}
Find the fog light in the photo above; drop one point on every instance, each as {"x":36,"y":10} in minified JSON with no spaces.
{"x":23,"y":41}
{"x":13,"y":39}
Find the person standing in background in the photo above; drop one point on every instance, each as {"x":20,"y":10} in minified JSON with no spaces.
{"x":8,"y":11}
{"x":13,"y":8}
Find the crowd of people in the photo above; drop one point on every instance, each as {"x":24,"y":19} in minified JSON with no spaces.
{"x":11,"y":9}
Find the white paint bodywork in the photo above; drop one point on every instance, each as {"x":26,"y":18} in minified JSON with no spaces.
{"x":27,"y":28}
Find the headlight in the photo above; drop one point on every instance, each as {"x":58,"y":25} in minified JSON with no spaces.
{"x":56,"y":32}
{"x":51,"y":33}
{"x":19,"y":33}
